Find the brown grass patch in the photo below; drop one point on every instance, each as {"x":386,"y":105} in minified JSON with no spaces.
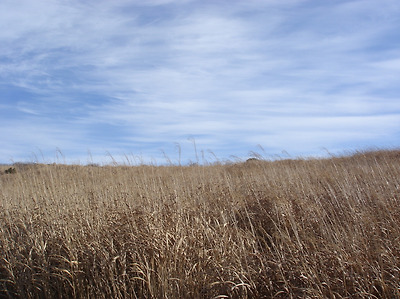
{"x":286,"y":229}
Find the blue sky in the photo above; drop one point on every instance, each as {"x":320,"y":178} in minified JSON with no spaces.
{"x":132,"y":78}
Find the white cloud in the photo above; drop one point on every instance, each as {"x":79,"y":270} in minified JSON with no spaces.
{"x":159,"y":71}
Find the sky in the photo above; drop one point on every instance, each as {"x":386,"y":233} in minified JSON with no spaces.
{"x":182,"y":81}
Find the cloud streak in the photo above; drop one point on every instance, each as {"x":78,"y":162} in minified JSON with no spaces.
{"x":139,"y":76}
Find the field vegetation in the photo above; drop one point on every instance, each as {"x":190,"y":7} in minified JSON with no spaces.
{"x":294,"y":228}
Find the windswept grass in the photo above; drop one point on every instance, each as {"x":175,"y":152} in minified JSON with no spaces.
{"x":285,"y":229}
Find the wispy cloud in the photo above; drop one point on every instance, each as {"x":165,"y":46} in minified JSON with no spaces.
{"x":140,"y":75}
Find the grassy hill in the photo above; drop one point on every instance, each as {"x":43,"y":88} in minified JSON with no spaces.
{"x":291,"y":228}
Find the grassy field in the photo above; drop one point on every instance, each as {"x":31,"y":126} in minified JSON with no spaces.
{"x":315,"y":228}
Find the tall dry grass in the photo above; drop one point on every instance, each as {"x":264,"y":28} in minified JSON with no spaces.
{"x":318,"y":228}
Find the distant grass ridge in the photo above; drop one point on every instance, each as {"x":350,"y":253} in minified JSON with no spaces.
{"x":312,"y":228}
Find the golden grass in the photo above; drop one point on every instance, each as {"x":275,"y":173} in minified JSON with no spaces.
{"x":318,"y":228}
